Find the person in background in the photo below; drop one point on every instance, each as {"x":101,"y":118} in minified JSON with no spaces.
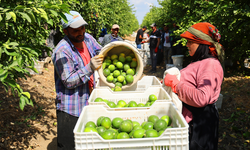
{"x":154,"y":41}
{"x":167,"y":45}
{"x":200,"y":85}
{"x":113,"y":36}
{"x":139,"y":37}
{"x":176,"y":49}
{"x":75,"y":59}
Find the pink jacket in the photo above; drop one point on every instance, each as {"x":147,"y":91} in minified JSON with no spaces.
{"x":200,"y":84}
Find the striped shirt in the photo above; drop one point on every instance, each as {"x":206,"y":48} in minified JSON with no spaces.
{"x":72,"y":75}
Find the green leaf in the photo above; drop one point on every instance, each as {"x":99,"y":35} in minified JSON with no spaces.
{"x":10,"y":53}
{"x":22,"y":102}
{"x":26,"y":94}
{"x":50,"y":22}
{"x":43,"y":14}
{"x":54,"y":13}
{"x":3,"y":74}
{"x":14,"y":63}
{"x":20,"y":7}
{"x":13,"y":15}
{"x":8,"y":16}
{"x":25,"y":16}
{"x":11,"y":82}
{"x":1,"y":52}
{"x":32,"y":17}
{"x":1,"y":18}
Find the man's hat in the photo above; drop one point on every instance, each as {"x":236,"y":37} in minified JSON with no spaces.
{"x":144,"y":27}
{"x":115,"y":26}
{"x":153,"y":25}
{"x":74,"y":19}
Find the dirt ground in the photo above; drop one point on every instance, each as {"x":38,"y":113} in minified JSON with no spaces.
{"x":34,"y":128}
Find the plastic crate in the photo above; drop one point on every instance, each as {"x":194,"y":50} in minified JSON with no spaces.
{"x":141,"y":85}
{"x":175,"y":138}
{"x":127,"y":96}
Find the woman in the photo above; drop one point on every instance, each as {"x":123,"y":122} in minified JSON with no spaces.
{"x":200,"y":85}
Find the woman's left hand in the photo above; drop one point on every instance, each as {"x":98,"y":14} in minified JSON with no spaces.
{"x":171,"y":81}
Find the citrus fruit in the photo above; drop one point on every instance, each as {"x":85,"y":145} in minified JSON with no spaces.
{"x":113,"y":57}
{"x":140,"y":105}
{"x":98,"y":99}
{"x":116,"y":73}
{"x":113,"y":89}
{"x":105,"y":100}
{"x":137,"y":127}
{"x":100,"y":129}
{"x":115,"y":61}
{"x":108,"y":134}
{"x":118,"y":88}
{"x":128,"y":58}
{"x":133,"y":64}
{"x":110,"y":78}
{"x":122,"y":59}
{"x":106,"y":122}
{"x":120,"y":78}
{"x":114,"y":80}
{"x":143,"y":123}
{"x":129,"y":78}
{"x":132,"y":104}
{"x":130,"y":72}
{"x":90,"y":124}
{"x":132,"y":55}
{"x":139,"y":133}
{"x":136,"y":123}
{"x":151,"y":103}
{"x":126,"y":105}
{"x":119,"y":65}
{"x":124,"y":82}
{"x":104,"y":65}
{"x":118,"y":106}
{"x":151,"y":133}
{"x":118,"y":84}
{"x":131,"y":134}
{"x":111,"y":104}
{"x":122,"y":54}
{"x":126,"y":126}
{"x":169,"y":127}
{"x":123,"y":135}
{"x":153,"y":118}
{"x":147,"y":105}
{"x":107,"y":61}
{"x":106,"y":72}
{"x":126,"y":67}
{"x":111,"y":68}
{"x":167,"y":119}
{"x":148,"y":125}
{"x":152,"y":97}
{"x":107,"y":57}
{"x":160,"y":124}
{"x":124,"y":74}
{"x":99,"y":120}
{"x":121,"y":103}
{"x":90,"y":129}
{"x":116,"y":122}
{"x":160,"y":132}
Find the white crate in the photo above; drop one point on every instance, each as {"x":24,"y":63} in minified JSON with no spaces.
{"x":141,"y":85}
{"x":175,"y":138}
{"x":218,"y":103}
{"x":127,"y":96}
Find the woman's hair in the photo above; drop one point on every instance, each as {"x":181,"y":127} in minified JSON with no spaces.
{"x":201,"y":53}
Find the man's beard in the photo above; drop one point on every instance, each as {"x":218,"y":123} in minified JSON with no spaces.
{"x":75,"y":40}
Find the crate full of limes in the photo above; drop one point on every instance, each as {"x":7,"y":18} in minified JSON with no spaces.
{"x":160,"y":126}
{"x":131,"y":100}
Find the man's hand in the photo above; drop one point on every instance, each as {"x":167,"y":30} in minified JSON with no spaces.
{"x":96,"y":62}
{"x":156,"y":49}
{"x":142,"y":42}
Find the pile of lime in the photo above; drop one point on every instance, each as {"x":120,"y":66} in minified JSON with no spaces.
{"x":119,"y":69}
{"x":121,"y":103}
{"x":124,"y":129}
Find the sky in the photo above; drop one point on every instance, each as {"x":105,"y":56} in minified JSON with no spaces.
{"x":142,"y":7}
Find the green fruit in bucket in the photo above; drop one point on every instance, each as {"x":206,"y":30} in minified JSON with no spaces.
{"x":106,"y":72}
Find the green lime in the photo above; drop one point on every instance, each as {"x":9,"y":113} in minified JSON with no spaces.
{"x":116,"y":73}
{"x":123,"y":135}
{"x":131,"y":134}
{"x":137,"y":127}
{"x":126,"y":126}
{"x":116,"y":122}
{"x":99,"y":120}
{"x":148,"y":125}
{"x":118,"y":88}
{"x":167,"y":119}
{"x":106,"y":72}
{"x":124,"y":82}
{"x":122,"y":54}
{"x":107,"y":61}
{"x":140,"y":105}
{"x":113,"y":57}
{"x":160,"y":132}
{"x":111,"y":68}
{"x":114,"y":80}
{"x":118,"y":106}
{"x":122,"y":59}
{"x":153,"y":118}
{"x":106,"y":101}
{"x":128,"y":58}
{"x":147,"y":104}
{"x":136,"y":123}
{"x":98,"y":99}
{"x":119,"y":65}
{"x":129,"y":78}
{"x":133,"y":64}
{"x":139,"y":133}
{"x":90,"y":124}
{"x":143,"y":123}
{"x":104,"y":65}
{"x":111,"y":104}
{"x":121,"y":103}
{"x":118,"y":84}
{"x":108,"y":134}
{"x":100,"y":129}
{"x":110,"y":78}
{"x":120,"y":78}
{"x":90,"y":129}
{"x":126,"y":67}
{"x":132,"y":55}
{"x":160,"y":124}
{"x":126,"y":105}
{"x":115,"y":61}
{"x":152,"y":97}
{"x":132,"y":104}
{"x":130,"y":72}
{"x":129,"y":121}
{"x":151,"y":133}
{"x":106,"y":122}
{"x":124,"y":74}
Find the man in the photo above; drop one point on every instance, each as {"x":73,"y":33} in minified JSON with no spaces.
{"x":75,"y":59}
{"x":154,"y":40}
{"x":166,"y":44}
{"x":176,"y":49}
{"x":139,"y":36}
{"x":113,"y":36}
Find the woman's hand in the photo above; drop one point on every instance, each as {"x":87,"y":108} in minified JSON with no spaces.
{"x":171,"y":81}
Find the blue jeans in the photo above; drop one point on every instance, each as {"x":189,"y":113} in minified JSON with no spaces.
{"x":139,"y":46}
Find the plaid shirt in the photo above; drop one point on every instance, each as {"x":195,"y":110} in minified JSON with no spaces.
{"x":72,"y":75}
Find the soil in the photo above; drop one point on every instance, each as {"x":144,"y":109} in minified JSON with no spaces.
{"x":34,"y":128}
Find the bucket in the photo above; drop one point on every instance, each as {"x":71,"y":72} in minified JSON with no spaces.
{"x":169,"y":66}
{"x":178,"y":60}
{"x":118,"y":47}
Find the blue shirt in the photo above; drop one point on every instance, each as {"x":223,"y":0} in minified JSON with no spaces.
{"x":72,"y":75}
